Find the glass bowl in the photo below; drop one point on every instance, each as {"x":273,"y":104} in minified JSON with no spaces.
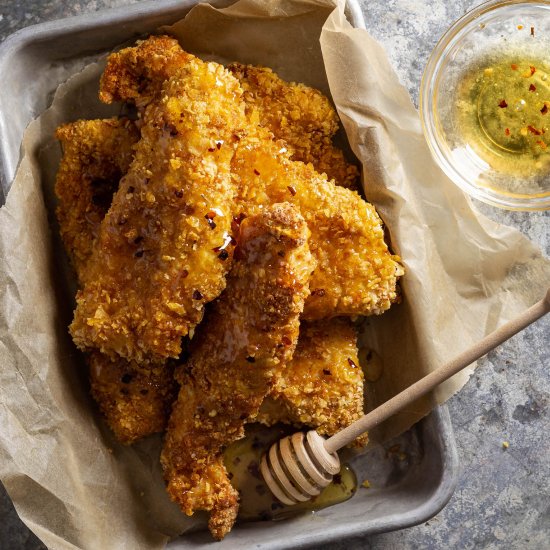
{"x":485,"y":103}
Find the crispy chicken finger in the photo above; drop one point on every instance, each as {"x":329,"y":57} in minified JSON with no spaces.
{"x":96,"y":153}
{"x":240,"y":351}
{"x":135,"y":399}
{"x":322,"y":387}
{"x":300,"y":116}
{"x":356,"y":274}
{"x":163,"y":248}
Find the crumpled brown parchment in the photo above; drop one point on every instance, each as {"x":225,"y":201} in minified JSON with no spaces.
{"x":71,"y":483}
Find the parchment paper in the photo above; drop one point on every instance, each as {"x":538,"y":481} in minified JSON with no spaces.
{"x":71,"y":483}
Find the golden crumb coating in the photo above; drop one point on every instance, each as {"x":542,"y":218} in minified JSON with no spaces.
{"x":163,"y":248}
{"x":356,"y":274}
{"x":300,"y":116}
{"x":96,"y":154}
{"x":248,"y":336}
{"x":137,"y":73}
{"x":134,"y":398}
{"x":322,"y":387}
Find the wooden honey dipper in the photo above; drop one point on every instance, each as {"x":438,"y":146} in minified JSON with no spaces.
{"x":300,"y":466}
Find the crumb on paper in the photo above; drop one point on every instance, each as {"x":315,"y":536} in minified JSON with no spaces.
{"x":505,"y":444}
{"x":366,"y":484}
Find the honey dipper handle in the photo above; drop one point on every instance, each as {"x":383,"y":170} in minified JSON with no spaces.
{"x":430,"y":381}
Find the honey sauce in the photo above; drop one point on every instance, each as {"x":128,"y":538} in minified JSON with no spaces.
{"x":242,"y":460}
{"x":503,"y":111}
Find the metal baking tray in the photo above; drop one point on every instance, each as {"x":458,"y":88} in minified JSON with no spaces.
{"x":409,"y":487}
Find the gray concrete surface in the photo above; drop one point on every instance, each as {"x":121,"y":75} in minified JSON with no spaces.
{"x":503,"y":495}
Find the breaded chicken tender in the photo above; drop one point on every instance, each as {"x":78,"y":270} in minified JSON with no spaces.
{"x":356,"y":274}
{"x":96,"y":154}
{"x":240,"y":351}
{"x":300,"y":116}
{"x":135,"y":399}
{"x":163,"y":249}
{"x":322,"y":387}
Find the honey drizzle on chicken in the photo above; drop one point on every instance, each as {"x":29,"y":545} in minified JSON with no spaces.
{"x":237,"y":356}
{"x":155,"y":265}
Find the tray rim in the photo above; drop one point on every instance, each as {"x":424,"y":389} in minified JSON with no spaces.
{"x":439,"y":416}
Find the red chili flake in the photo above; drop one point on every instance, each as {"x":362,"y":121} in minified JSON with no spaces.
{"x":210,"y":221}
{"x":219,"y":144}
{"x":507,"y":131}
{"x":326,"y":372}
{"x":184,"y":273}
{"x":179,"y":193}
{"x":223,"y":255}
{"x":286,"y":340}
{"x":503,"y":104}
{"x":210,"y":214}
{"x":256,"y":172}
{"x":532,"y":31}
{"x":211,"y":149}
{"x":351,"y":363}
{"x":544,"y":109}
{"x":534,"y":130}
{"x":197,"y":295}
{"x":254,"y":470}
{"x":532,"y":69}
{"x":292,"y":190}
{"x":542,"y":144}
{"x":532,"y":87}
{"x":514,"y":67}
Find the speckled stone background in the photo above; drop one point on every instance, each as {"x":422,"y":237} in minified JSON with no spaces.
{"x":503,"y":495}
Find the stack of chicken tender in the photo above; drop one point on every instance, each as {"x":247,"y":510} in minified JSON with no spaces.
{"x":222,"y":219}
